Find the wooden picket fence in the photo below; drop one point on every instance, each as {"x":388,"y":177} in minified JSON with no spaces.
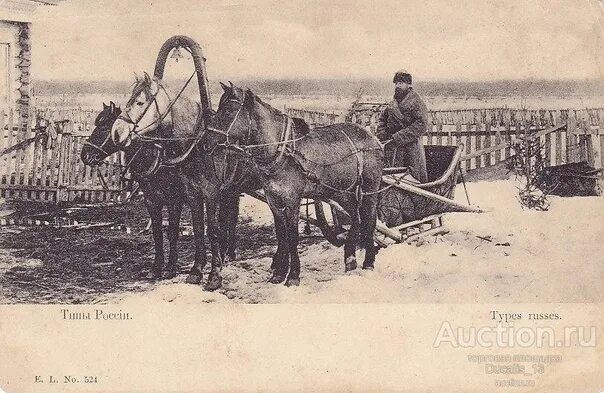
{"x":81,"y":121}
{"x":315,"y":118}
{"x":488,"y":135}
{"x":48,"y":168}
{"x":42,"y":167}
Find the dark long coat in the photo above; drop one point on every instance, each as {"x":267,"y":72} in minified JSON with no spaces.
{"x":405,"y":122}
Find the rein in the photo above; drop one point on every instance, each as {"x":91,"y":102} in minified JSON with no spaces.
{"x":284,"y":140}
{"x":101,"y":147}
{"x":161,"y":117}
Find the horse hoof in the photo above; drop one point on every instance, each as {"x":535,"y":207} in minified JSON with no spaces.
{"x":194,"y":278}
{"x":168,"y":274}
{"x":214,"y":282}
{"x":292,"y":282}
{"x":368,"y":267}
{"x":277,"y":278}
{"x":350,"y":264}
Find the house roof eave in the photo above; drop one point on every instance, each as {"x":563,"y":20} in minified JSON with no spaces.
{"x":22,"y":10}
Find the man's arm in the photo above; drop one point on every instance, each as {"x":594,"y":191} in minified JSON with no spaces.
{"x":419,"y":114}
{"x":381,"y":131}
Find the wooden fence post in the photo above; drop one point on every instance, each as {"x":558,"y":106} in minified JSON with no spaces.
{"x":487,"y":141}
{"x":60,"y":193}
{"x":478,"y":146}
{"x":3,"y":145}
{"x":571,"y":138}
{"x":599,"y":142}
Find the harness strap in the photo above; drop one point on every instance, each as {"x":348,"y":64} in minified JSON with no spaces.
{"x":98,"y":148}
{"x":285,"y":136}
{"x":199,"y":137}
{"x":165,"y":114}
{"x":356,"y":185}
{"x":359,"y":155}
{"x":284,"y":140}
{"x":104,"y":182}
{"x":153,"y":168}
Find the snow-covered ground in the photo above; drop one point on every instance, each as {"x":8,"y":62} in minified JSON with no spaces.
{"x":507,"y":254}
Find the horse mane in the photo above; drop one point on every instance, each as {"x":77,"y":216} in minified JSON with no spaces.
{"x":140,"y":86}
{"x":299,"y":124}
{"x":267,"y":106}
{"x":185,"y":111}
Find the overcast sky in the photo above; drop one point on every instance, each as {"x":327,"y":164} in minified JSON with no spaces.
{"x":434,"y":40}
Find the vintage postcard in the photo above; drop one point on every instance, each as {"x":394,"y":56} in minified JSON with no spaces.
{"x":276,"y":196}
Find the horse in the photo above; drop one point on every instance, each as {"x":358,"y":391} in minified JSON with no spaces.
{"x":340,"y":162}
{"x":155,"y":113}
{"x":160,"y":185}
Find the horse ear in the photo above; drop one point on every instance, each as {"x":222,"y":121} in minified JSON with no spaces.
{"x":232,"y":85}
{"x":147,"y":78}
{"x":248,"y":98}
{"x":114,"y":109}
{"x":112,"y":105}
{"x":105,"y":106}
{"x":224,"y":87}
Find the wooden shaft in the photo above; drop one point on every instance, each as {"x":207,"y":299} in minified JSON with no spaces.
{"x":401,"y":184}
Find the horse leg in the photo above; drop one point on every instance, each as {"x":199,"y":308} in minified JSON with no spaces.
{"x":233,"y":215}
{"x":196,"y":273}
{"x":154,"y":210}
{"x":214,"y":279}
{"x":223,"y":218}
{"x":350,"y":247}
{"x":174,"y":211}
{"x":228,"y":214}
{"x":368,"y":212}
{"x":280,"y":265}
{"x":292,"y":218}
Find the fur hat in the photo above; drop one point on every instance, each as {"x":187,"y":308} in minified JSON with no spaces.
{"x":402,"y":76}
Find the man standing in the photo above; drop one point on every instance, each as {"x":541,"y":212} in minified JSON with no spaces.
{"x":404,"y":121}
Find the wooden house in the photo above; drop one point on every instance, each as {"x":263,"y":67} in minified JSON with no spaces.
{"x":15,"y":54}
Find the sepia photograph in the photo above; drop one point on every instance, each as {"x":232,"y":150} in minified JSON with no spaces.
{"x":264,"y":183}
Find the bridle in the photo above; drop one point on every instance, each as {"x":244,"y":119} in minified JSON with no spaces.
{"x":153,"y":101}
{"x":284,"y":140}
{"x":126,"y":117}
{"x":227,"y":143}
{"x":101,"y":148}
{"x":111,"y":118}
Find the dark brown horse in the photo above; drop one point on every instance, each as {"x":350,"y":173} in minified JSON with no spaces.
{"x":161,"y":185}
{"x":157,"y":114}
{"x":340,"y":162}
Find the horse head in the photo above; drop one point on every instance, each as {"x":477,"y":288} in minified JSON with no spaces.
{"x":147,"y":110}
{"x":254,"y":125}
{"x":99,"y":144}
{"x":236,"y":110}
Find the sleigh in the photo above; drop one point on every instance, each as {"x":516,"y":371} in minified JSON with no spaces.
{"x":406,"y":209}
